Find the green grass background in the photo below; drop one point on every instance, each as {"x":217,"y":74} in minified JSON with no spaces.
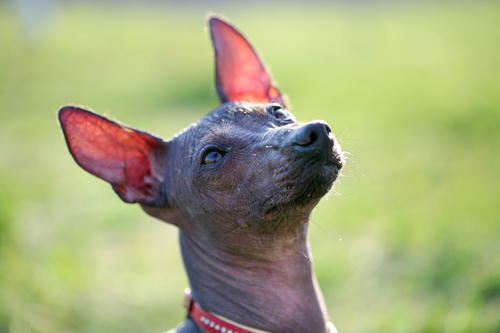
{"x":412,"y":89}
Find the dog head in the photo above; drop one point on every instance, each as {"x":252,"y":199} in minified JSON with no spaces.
{"x":246,"y":167}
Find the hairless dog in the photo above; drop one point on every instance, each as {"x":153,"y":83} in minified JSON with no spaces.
{"x":239,"y":184}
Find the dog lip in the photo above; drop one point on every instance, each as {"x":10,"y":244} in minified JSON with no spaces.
{"x":330,"y":156}
{"x":336,"y":163}
{"x":335,"y":159}
{"x":316,"y":187}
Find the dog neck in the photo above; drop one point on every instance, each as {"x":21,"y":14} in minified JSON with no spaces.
{"x":274,"y":289}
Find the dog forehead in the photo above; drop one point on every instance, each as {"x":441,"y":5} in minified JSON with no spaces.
{"x":236,"y":110}
{"x":234,"y":117}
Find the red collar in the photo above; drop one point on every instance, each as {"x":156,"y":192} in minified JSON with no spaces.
{"x":212,"y":323}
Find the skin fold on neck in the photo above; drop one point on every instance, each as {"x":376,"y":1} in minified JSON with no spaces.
{"x":273,"y":288}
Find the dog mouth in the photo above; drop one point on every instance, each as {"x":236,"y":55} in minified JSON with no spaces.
{"x":317,"y":185}
{"x":305,"y":184}
{"x":336,"y":159}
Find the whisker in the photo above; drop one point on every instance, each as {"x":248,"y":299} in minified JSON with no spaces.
{"x":337,"y":134}
{"x":342,"y":175}
{"x":351,"y":162}
{"x":301,"y":248}
{"x":340,"y":239}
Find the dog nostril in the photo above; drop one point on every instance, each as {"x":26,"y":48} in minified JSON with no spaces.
{"x":313,"y":137}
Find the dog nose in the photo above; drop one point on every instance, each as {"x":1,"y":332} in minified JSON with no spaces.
{"x":314,"y":133}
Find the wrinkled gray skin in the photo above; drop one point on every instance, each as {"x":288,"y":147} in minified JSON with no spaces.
{"x":243,"y":221}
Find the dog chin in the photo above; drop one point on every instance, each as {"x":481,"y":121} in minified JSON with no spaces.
{"x":313,"y":189}
{"x":308,"y":190}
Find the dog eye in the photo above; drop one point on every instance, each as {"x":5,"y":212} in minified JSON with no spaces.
{"x":212,"y":158}
{"x":281,"y":114}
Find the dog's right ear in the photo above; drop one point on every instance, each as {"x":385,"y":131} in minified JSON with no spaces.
{"x":240,"y":74}
{"x":129,"y":159}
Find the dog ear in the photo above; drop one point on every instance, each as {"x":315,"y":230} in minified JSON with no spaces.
{"x":129,"y":159}
{"x":240,"y":74}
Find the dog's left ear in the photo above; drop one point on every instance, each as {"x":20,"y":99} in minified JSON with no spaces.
{"x":129,"y":159}
{"x":240,"y":74}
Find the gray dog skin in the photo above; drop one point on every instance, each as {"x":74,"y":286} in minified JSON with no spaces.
{"x":240,"y":185}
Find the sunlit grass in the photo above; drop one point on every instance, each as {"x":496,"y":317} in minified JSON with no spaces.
{"x":414,"y":90}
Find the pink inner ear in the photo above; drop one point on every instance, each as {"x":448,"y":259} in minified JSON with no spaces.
{"x":240,"y":75}
{"x":118,"y":154}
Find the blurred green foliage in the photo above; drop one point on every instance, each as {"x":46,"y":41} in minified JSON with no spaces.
{"x":412,"y":90}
